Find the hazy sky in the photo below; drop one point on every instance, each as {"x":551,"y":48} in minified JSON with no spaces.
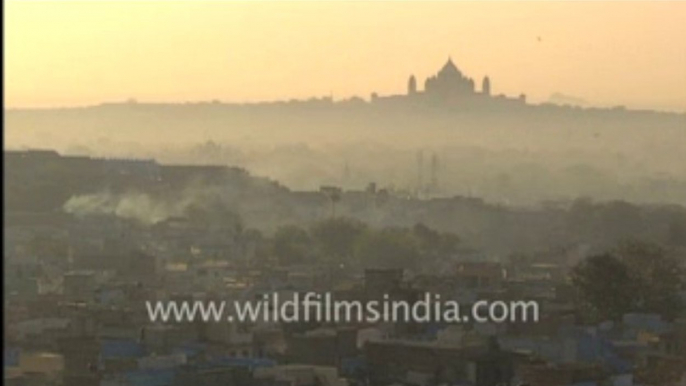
{"x":61,"y":53}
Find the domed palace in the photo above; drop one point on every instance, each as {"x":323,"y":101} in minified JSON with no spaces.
{"x":450,"y":86}
{"x":449,"y":82}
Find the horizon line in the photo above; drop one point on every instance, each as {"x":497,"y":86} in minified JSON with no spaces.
{"x":329,"y":99}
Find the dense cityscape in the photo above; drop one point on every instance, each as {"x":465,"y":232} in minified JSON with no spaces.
{"x":89,"y":241}
{"x":344,"y":193}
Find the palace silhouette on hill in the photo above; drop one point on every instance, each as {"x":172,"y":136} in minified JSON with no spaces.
{"x":449,"y":90}
{"x":451,"y":86}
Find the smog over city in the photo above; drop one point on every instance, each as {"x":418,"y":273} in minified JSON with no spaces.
{"x":348,"y":189}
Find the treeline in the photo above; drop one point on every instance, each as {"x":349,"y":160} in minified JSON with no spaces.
{"x":349,"y":242}
{"x":636,"y":276}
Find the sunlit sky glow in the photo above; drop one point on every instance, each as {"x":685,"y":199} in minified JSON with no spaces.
{"x":61,"y":53}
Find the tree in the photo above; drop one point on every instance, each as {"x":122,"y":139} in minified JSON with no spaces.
{"x":604,"y":287}
{"x":657,"y":276}
{"x":292,"y":245}
{"x":636,"y":277}
{"x":254,"y":247}
{"x":434,"y":245}
{"x":388,"y":248}
{"x":335,"y":237}
{"x":677,"y":232}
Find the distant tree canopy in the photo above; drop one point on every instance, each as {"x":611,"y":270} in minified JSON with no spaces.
{"x":292,"y":245}
{"x":215,"y":215}
{"x":677,"y":232}
{"x":604,"y":286}
{"x":335,"y":238}
{"x":434,"y":244}
{"x":388,"y":248}
{"x":658,"y":277}
{"x":611,"y":222}
{"x":344,"y":241}
{"x":636,"y":277}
